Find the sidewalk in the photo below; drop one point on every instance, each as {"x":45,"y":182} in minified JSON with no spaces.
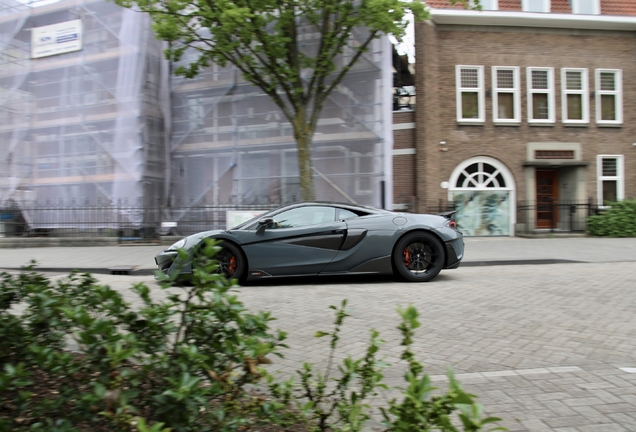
{"x":480,"y":251}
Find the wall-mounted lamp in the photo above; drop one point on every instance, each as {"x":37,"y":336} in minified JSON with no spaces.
{"x":442,"y":146}
{"x":488,"y":93}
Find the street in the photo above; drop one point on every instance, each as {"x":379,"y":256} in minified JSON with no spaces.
{"x":541,"y":345}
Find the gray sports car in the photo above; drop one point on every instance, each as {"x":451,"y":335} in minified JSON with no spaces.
{"x":325,"y":238}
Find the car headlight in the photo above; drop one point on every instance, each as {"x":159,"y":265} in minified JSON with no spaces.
{"x":178,"y":245}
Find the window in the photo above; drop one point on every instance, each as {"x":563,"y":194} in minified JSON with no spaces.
{"x":611,"y":186}
{"x":363,"y":171}
{"x":470,"y":94}
{"x":304,"y":216}
{"x":486,"y":4}
{"x":540,"y":95}
{"x":482,"y":190}
{"x":590,"y":7}
{"x":574,"y":96}
{"x":506,"y":101}
{"x":535,"y":5}
{"x":343,"y":214}
{"x":609,"y":101}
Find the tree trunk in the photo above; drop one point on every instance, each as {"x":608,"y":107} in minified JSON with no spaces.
{"x":303,"y":135}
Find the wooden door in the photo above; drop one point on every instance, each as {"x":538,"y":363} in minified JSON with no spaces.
{"x":547,"y":197}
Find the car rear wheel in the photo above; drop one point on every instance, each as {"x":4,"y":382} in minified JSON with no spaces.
{"x":230,"y":261}
{"x":418,"y":257}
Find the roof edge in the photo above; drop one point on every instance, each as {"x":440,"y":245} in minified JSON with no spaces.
{"x":532,"y":19}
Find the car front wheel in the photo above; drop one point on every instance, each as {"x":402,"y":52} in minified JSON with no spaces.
{"x":418,"y":257}
{"x":230,"y":261}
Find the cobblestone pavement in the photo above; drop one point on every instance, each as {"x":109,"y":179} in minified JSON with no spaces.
{"x":542,"y":346}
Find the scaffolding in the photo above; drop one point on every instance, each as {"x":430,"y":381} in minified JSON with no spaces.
{"x":109,"y":124}
{"x":231,"y":144}
{"x":82,"y":127}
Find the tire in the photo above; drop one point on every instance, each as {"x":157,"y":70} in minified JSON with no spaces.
{"x":231,"y":261}
{"x":418,"y":257}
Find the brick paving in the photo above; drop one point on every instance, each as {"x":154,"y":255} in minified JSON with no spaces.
{"x":541,"y":345}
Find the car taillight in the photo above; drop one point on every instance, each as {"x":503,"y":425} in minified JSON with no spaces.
{"x":452,"y":224}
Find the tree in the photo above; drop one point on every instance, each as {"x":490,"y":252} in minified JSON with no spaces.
{"x":260,"y":38}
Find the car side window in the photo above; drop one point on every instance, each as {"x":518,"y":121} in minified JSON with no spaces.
{"x":346,"y":214}
{"x":304,"y":216}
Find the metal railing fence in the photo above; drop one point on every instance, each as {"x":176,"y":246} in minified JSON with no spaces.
{"x":120,"y":220}
{"x":554,"y":216}
{"x":149,"y":222}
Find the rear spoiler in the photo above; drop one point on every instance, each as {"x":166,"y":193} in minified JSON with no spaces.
{"x":448,"y":214}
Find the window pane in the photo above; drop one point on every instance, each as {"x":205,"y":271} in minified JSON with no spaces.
{"x":540,"y":106}
{"x":608,"y":107}
{"x":586,"y":6}
{"x":469,"y":78}
{"x":573,"y":81}
{"x":470,"y":105}
{"x":487,"y":4}
{"x":505,"y":106}
{"x":535,"y":6}
{"x":608,"y":81}
{"x":575,"y":107}
{"x":609,"y":191}
{"x":505,"y":79}
{"x":609,"y":167}
{"x":304,"y":216}
{"x":539,"y":80}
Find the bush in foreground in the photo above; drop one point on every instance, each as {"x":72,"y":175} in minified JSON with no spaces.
{"x":74,"y":356}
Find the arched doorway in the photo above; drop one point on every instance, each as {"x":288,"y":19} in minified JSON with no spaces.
{"x":483,"y":190}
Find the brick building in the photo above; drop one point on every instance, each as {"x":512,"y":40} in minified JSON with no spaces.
{"x":526,"y":111}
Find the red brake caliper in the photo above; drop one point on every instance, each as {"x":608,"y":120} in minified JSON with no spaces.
{"x":231,"y":268}
{"x":406,"y":257}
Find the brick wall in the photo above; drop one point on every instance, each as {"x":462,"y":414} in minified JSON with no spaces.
{"x":404,"y":164}
{"x":441,"y":48}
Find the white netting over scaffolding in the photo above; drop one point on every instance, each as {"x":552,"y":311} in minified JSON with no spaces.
{"x":231,"y":144}
{"x":104,"y":134}
{"x":81,"y":128}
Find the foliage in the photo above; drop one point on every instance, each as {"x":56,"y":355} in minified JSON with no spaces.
{"x":341,"y":403}
{"x":420,"y":408}
{"x":189,"y":362}
{"x":267,"y":42}
{"x":177,"y":364}
{"x":618,"y":220}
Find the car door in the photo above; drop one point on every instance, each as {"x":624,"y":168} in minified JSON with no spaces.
{"x":299,"y":241}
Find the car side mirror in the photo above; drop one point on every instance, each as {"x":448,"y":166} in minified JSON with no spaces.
{"x":262,"y":224}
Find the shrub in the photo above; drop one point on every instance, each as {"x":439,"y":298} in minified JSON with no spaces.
{"x":180,"y":364}
{"x":187,"y":363}
{"x":619,"y":220}
{"x":342,"y":403}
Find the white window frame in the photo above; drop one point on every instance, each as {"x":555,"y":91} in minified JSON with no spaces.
{"x":584,"y":92}
{"x":576,"y":6}
{"x":525,"y":5}
{"x":619,"y":177}
{"x":549,"y":91}
{"x":618,"y":92}
{"x":516,"y":95}
{"x":481,"y":94}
